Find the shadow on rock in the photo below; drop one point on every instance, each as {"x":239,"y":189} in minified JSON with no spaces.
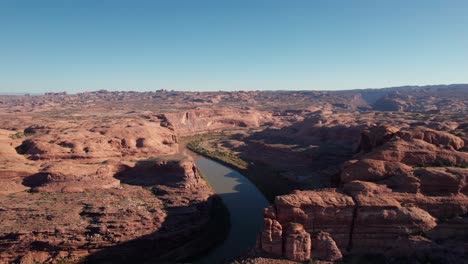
{"x":206,"y":224}
{"x":35,"y":180}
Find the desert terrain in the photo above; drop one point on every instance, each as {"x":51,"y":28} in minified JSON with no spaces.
{"x":356,"y":176}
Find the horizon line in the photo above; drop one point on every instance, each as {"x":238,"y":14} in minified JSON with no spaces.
{"x":229,"y":91}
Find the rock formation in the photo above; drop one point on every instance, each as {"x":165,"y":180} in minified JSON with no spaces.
{"x":84,"y":196}
{"x":296,"y":242}
{"x":271,"y":237}
{"x":14,"y":167}
{"x":55,"y":222}
{"x":203,"y":120}
{"x":110,"y":139}
{"x":71,"y":177}
{"x":383,"y":198}
{"x":324,"y":247}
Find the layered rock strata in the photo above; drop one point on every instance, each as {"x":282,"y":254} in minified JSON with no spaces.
{"x":385,"y":205}
{"x":104,"y":212}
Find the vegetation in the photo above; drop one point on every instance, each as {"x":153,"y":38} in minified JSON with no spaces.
{"x":258,"y":174}
{"x":17,"y":135}
{"x":226,"y":157}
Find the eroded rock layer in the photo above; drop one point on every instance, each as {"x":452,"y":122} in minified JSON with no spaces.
{"x":67,"y":217}
{"x":97,"y":190}
{"x":386,"y":204}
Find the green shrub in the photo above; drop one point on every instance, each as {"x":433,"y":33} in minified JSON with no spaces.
{"x":17,"y":135}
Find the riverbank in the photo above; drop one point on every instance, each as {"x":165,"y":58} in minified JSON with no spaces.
{"x":245,"y":203}
{"x":189,"y":228}
{"x":261,"y":176}
{"x":213,"y":233}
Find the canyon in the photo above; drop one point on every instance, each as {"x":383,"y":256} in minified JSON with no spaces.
{"x":104,"y":177}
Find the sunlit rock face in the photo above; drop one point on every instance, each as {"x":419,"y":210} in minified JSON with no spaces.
{"x":383,"y":197}
{"x":203,"y":120}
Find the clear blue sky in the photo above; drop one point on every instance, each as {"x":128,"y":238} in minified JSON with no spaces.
{"x":230,"y":44}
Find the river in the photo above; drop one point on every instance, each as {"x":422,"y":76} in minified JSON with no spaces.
{"x":245,"y":204}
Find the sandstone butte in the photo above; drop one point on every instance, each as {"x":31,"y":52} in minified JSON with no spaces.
{"x":402,"y":195}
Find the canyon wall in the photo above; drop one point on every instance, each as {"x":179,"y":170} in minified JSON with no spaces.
{"x":403,"y":195}
{"x":100,"y":189}
{"x":204,"y":120}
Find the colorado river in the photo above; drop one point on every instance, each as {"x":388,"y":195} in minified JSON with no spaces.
{"x":245,"y":204}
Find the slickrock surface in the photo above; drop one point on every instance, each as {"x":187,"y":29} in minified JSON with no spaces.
{"x":87,"y":140}
{"x":14,"y":167}
{"x":67,"y":176}
{"x":78,"y":186}
{"x":67,"y":216}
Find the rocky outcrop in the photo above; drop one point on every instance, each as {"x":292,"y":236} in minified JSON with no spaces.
{"x":56,"y":222}
{"x":376,"y":136}
{"x":438,"y":138}
{"x":324,"y":247}
{"x":376,"y":217}
{"x":417,"y":147}
{"x":203,"y":120}
{"x":396,"y":175}
{"x":327,"y":126}
{"x":372,"y":170}
{"x":67,"y":176}
{"x":383,"y":199}
{"x":392,"y":161}
{"x":14,"y":167}
{"x":108,"y":140}
{"x":175,"y":171}
{"x":381,"y":218}
{"x":271,"y":237}
{"x":313,"y":209}
{"x":418,"y":153}
{"x":442,"y":181}
{"x":293,"y":218}
{"x":296,"y":242}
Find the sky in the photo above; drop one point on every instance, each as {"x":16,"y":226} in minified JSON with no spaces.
{"x":202,"y":45}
